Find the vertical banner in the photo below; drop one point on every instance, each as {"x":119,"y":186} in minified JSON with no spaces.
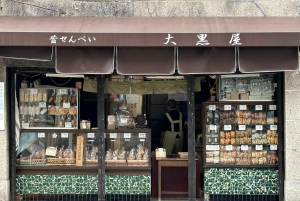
{"x":79,"y":150}
{"x":2,"y":98}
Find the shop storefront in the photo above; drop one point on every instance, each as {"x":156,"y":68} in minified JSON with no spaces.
{"x":240,"y":141}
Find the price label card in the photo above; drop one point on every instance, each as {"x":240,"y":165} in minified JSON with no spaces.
{"x":25,"y":125}
{"x":68,"y":124}
{"x":212,"y":147}
{"x":227,"y":107}
{"x":66,"y":105}
{"x":258,"y":147}
{"x":259,"y":127}
{"x":243,"y":107}
{"x":227,"y":127}
{"x":212,"y":107}
{"x":213,"y":127}
{"x":41,"y":135}
{"x":113,"y":135}
{"x":228,"y":147}
{"x":42,"y":104}
{"x":64,"y":135}
{"x":127,"y":135}
{"x":273,"y":147}
{"x":91,"y":135}
{"x":123,"y":121}
{"x":242,"y":127}
{"x":34,"y":91}
{"x":273,"y":127}
{"x":142,"y":135}
{"x":142,"y":140}
{"x":258,"y":107}
{"x":272,"y":107}
{"x":63,"y":91}
{"x":111,"y":118}
{"x":244,"y":147}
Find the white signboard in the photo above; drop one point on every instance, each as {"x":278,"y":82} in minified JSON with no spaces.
{"x":2,"y":98}
{"x":132,"y":98}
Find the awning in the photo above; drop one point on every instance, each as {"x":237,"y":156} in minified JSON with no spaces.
{"x":87,"y":60}
{"x":150,"y":32}
{"x":27,"y":53}
{"x":145,"y":60}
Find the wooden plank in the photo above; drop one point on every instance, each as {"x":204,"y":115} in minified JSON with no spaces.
{"x":79,"y":150}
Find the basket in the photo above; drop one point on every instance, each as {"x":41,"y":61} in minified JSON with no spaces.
{"x":27,"y":161}
{"x":61,"y":161}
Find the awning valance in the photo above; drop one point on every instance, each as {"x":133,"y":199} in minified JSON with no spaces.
{"x":150,"y":32}
{"x":27,"y":53}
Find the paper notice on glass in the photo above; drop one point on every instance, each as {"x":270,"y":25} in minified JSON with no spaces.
{"x":2,"y":98}
{"x":132,"y":98}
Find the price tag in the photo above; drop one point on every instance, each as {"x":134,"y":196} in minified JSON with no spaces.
{"x":228,"y":147}
{"x":273,"y":147}
{"x":111,"y":118}
{"x":272,"y":107}
{"x":212,"y":107}
{"x":244,"y":147}
{"x":42,"y":104}
{"x":63,"y":91}
{"x":213,"y":127}
{"x":258,"y":107}
{"x":34,"y":91}
{"x":64,"y":135}
{"x":273,"y":127}
{"x":227,"y":107}
{"x":123,"y":121}
{"x":242,"y":127}
{"x":212,"y":147}
{"x":41,"y":135}
{"x":25,"y":125}
{"x":259,"y":127}
{"x":142,"y":140}
{"x":113,"y":135}
{"x":91,"y":135}
{"x":83,"y":125}
{"x":227,"y":127}
{"x":243,"y":107}
{"x":127,"y":135}
{"x":68,"y":124}
{"x":142,"y":135}
{"x":66,"y":105}
{"x":258,"y":147}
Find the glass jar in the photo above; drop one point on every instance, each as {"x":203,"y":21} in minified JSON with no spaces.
{"x":123,"y":116}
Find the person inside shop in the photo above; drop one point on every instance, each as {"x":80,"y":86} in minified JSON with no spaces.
{"x":171,"y":133}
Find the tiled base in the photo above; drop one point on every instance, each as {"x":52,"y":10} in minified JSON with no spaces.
{"x":82,"y":184}
{"x":241,"y":181}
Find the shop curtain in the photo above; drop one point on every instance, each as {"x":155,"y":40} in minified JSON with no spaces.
{"x":143,"y":87}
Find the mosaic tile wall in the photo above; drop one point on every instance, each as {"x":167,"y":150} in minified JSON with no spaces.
{"x":82,"y":184}
{"x":241,"y":181}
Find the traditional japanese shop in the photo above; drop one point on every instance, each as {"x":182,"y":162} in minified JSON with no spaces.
{"x":90,"y":127}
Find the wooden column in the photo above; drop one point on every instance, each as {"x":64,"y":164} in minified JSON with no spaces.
{"x":191,"y":136}
{"x":100,"y":136}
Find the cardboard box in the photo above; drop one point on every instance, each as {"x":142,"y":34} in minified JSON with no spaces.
{"x":234,"y":96}
{"x":111,"y":122}
{"x":244,"y":96}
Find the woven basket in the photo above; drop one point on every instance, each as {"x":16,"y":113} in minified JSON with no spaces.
{"x":61,"y":161}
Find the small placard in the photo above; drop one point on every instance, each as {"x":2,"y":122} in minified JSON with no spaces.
{"x":42,"y":104}
{"x":273,"y":147}
{"x":91,"y":135}
{"x":258,"y":147}
{"x":64,"y":135}
{"x":212,"y":147}
{"x":228,"y":147}
{"x":227,"y":107}
{"x":213,"y":127}
{"x":34,"y":91}
{"x":258,"y":107}
{"x":244,"y":147}
{"x":142,"y":135}
{"x":259,"y":127}
{"x":113,"y":135}
{"x":123,"y":120}
{"x":41,"y":135}
{"x":272,"y":107}
{"x":127,"y":135}
{"x":273,"y":127}
{"x":111,"y":118}
{"x":243,"y":107}
{"x":212,"y":107}
{"x":66,"y":105}
{"x":63,"y":91}
{"x":68,"y":124}
{"x":142,"y":140}
{"x":242,"y":127}
{"x":227,"y":127}
{"x":25,"y":125}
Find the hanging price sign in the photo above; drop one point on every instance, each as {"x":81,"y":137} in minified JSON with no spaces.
{"x":227,"y":107}
{"x":259,"y":127}
{"x":273,"y":127}
{"x":212,"y":147}
{"x":91,"y":135}
{"x":64,"y":135}
{"x":242,"y":127}
{"x":272,"y":107}
{"x":68,"y":124}
{"x":258,"y":147}
{"x":244,"y":147}
{"x":142,"y":135}
{"x":213,"y":127}
{"x":41,"y":135}
{"x":212,"y":107}
{"x":258,"y":107}
{"x":243,"y":107}
{"x":228,"y":147}
{"x":273,"y":147}
{"x":227,"y":127}
{"x":127,"y":135}
{"x":113,"y":135}
{"x":42,"y":104}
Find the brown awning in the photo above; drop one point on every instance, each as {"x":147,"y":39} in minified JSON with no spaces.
{"x":268,"y":59}
{"x":145,"y":61}
{"x":206,"y":60}
{"x":87,"y":60}
{"x":27,"y":53}
{"x":140,"y":32}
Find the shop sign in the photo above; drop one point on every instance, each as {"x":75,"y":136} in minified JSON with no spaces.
{"x":71,"y":39}
{"x":79,"y":150}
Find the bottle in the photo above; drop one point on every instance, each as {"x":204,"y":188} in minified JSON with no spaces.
{"x":145,"y":120}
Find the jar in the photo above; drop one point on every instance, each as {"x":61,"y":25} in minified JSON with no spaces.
{"x":22,"y":95}
{"x":44,"y":92}
{"x":123,"y":116}
{"x":26,"y":96}
{"x":40,"y":95}
{"x":62,"y":122}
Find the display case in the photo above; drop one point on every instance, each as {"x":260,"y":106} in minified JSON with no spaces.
{"x":241,"y":133}
{"x":259,"y":87}
{"x":48,"y":108}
